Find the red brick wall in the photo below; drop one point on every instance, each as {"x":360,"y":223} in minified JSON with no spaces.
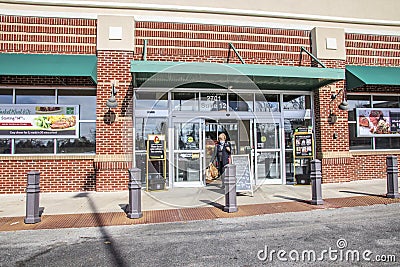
{"x":209,"y":43}
{"x":180,"y":42}
{"x":46,"y":81}
{"x":55,"y":175}
{"x":47,"y":35}
{"x":361,"y":49}
{"x":114,"y":138}
{"x":372,"y":50}
{"x":50,"y":36}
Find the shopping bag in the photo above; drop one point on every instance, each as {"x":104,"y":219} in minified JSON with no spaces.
{"x":213,"y":171}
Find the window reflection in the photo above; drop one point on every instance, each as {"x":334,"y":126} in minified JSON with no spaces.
{"x":296,"y":102}
{"x":357,"y":101}
{"x":357,"y":143}
{"x":86,"y":143}
{"x":267,"y":103}
{"x":241,"y":102}
{"x":5,"y":146}
{"x":146,"y":126}
{"x":185,"y":101}
{"x":86,"y":99}
{"x":151,"y":101}
{"x":387,"y":143}
{"x":386,"y":102}
{"x":34,"y":96}
{"x":188,"y":134}
{"x":6,"y":96}
{"x":34,"y":146}
{"x":267,"y":135}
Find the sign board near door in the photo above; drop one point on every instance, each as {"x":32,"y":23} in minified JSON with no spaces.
{"x":156,"y":147}
{"x":156,"y":159}
{"x":243,"y":173}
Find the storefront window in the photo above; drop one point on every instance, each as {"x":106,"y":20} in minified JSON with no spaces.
{"x":86,"y":143}
{"x":387,"y":142}
{"x":368,"y":101}
{"x":357,"y":101}
{"x":185,"y":101}
{"x":213,"y":102}
{"x":34,"y":96}
{"x":358,"y":143}
{"x":146,"y":126}
{"x":5,"y":146}
{"x":267,"y":103}
{"x":296,"y":102}
{"x":34,"y":146}
{"x":386,"y":102}
{"x":241,"y":102}
{"x":6,"y":96}
{"x":86,"y":99}
{"x":151,"y":101}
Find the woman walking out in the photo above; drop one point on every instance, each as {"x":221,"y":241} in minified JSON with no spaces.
{"x":222,"y":153}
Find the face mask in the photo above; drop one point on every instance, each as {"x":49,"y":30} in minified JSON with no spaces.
{"x":222,"y":142}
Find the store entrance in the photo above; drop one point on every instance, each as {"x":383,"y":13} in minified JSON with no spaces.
{"x":194,"y":143}
{"x":237,"y":132}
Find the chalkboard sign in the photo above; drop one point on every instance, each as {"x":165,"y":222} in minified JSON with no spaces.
{"x":243,"y":173}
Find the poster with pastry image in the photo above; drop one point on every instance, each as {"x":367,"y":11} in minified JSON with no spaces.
{"x":378,"y":122}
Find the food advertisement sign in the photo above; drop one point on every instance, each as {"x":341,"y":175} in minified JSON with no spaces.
{"x":303,"y":145}
{"x":156,"y":147}
{"x":39,"y":121}
{"x":378,"y":122}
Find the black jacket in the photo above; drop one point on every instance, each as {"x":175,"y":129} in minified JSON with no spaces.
{"x":224,"y":154}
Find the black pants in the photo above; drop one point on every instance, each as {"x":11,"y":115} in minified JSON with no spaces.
{"x":221,"y":168}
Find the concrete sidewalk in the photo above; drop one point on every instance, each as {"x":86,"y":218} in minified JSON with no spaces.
{"x":179,"y":198}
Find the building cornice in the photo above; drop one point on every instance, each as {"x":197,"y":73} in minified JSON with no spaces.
{"x":204,"y":10}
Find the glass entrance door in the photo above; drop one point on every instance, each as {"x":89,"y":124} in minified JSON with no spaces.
{"x":213,"y":129}
{"x":267,"y":152}
{"x":188,"y":153}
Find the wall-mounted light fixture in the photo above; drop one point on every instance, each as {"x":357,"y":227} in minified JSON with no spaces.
{"x":112,"y":102}
{"x":342,"y":106}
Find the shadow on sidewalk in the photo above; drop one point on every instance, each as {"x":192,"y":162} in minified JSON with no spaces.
{"x":213,"y":204}
{"x":361,"y":193}
{"x":108,"y":240}
{"x":294,"y":199}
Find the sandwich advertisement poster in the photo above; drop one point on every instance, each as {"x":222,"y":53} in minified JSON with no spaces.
{"x":39,"y":121}
{"x":378,"y":122}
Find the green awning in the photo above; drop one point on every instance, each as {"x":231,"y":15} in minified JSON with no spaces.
{"x":49,"y":65}
{"x":179,"y":74}
{"x":357,"y":76}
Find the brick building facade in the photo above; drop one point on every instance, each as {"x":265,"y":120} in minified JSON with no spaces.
{"x":105,"y":168}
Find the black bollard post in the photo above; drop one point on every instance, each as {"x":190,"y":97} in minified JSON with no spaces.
{"x":134,"y":209}
{"x":392,"y":171}
{"x":32,"y":198}
{"x":230,"y":188}
{"x":316,"y":178}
